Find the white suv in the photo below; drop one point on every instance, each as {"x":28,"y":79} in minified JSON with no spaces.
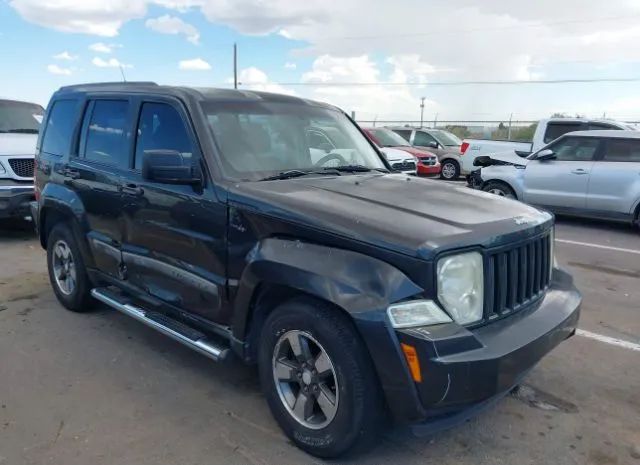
{"x":19,"y":126}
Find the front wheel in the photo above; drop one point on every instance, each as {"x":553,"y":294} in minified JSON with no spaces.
{"x":499,"y":188}
{"x":450,"y":170}
{"x":318,"y":379}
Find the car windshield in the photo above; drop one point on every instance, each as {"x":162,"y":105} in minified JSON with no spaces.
{"x":446,"y":138}
{"x":388,"y":138}
{"x":20,"y":117}
{"x":259,"y":139}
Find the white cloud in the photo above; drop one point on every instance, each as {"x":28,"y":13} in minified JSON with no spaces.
{"x":65,"y":56}
{"x":196,"y":64}
{"x":253,"y":78}
{"x":110,"y":63}
{"x":101,"y":47}
{"x":97,"y":17}
{"x":55,"y":69}
{"x":289,"y":65}
{"x":173,"y":25}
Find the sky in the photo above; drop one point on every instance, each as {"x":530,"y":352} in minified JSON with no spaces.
{"x":375,"y":58}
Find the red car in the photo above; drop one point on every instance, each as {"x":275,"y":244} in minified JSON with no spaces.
{"x":427,"y":162}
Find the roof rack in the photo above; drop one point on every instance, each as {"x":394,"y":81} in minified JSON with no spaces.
{"x":109,"y":85}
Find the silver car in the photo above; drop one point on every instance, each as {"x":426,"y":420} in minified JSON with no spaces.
{"x":584,"y":173}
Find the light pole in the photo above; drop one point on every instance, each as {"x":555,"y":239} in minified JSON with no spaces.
{"x":421,"y":110}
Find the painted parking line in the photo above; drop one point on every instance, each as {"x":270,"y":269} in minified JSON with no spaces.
{"x":599,"y":246}
{"x":609,"y":340}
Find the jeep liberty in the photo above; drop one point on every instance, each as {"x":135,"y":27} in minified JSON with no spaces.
{"x":364,"y":296}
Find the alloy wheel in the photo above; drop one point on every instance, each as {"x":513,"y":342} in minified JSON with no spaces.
{"x":64,"y":268}
{"x":448,"y":170}
{"x":305,"y":379}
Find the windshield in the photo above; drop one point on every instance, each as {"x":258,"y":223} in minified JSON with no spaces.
{"x":20,"y":117}
{"x":388,"y":138}
{"x":446,"y":138}
{"x":259,"y":139}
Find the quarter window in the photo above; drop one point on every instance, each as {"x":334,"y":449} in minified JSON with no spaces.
{"x":624,"y":150}
{"x":60,"y":126}
{"x":160,"y":127}
{"x":106,"y":140}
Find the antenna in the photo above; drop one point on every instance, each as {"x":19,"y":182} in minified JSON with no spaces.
{"x":124,"y":78}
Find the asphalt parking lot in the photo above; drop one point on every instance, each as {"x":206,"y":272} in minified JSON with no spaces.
{"x":100,"y":388}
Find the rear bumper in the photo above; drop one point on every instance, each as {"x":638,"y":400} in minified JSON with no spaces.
{"x":466,"y":370}
{"x":14,"y":201}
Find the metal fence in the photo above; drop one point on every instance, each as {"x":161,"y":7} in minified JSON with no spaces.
{"x":521,"y":130}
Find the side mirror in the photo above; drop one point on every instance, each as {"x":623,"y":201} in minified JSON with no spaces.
{"x":546,"y":154}
{"x":169,"y":167}
{"x":433,"y":145}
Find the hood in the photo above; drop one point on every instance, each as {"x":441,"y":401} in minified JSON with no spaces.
{"x":502,"y":158}
{"x":409,"y":215}
{"x":18,"y":144}
{"x":415,"y":151}
{"x":395,"y":154}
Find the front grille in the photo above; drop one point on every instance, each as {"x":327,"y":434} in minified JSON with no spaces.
{"x":516,"y":277}
{"x":23,"y":167}
{"x":404,"y":166}
{"x":428,"y":161}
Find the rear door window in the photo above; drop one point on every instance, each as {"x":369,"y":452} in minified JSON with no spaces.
{"x":555,"y":130}
{"x":60,"y":126}
{"x":160,"y":127}
{"x":405,"y":133}
{"x":622,"y":150}
{"x":107,"y":137}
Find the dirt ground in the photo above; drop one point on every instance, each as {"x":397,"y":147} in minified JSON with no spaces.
{"x":100,"y":388}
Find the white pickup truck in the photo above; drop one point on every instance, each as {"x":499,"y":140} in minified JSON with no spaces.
{"x":546,"y":131}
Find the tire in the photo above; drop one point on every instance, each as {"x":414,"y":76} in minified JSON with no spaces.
{"x":358,"y":409}
{"x":449,"y":169}
{"x":75,"y":293}
{"x":499,"y":188}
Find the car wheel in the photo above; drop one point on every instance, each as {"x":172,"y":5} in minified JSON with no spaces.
{"x":318,"y":379}
{"x":450,"y":169}
{"x":67,"y":272}
{"x":499,"y":188}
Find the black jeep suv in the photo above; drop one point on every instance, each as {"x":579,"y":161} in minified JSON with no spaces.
{"x":221,"y":219}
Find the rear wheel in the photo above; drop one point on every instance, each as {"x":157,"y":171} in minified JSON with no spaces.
{"x":499,"y":188}
{"x":67,"y":272}
{"x":318,"y":380}
{"x":450,"y":170}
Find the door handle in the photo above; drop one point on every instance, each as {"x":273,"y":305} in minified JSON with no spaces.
{"x":131,"y":189}
{"x":71,"y":173}
{"x":579,"y":171}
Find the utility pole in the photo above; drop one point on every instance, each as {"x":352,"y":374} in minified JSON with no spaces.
{"x":235,"y":66}
{"x":421,"y":110}
{"x":435,"y":121}
{"x":509,"y":130}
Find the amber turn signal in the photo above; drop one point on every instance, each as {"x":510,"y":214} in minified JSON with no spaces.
{"x":412,"y":360}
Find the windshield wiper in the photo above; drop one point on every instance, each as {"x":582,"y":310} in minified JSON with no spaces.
{"x":297,"y":173}
{"x":22,"y":131}
{"x":356,"y":169}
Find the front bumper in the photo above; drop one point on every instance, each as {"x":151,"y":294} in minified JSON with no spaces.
{"x":474,"y":179}
{"x":14,"y":201}
{"x":428,"y":170}
{"x":465,"y":370}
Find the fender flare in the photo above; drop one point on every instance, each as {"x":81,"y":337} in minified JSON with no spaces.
{"x":352,"y":281}
{"x":58,"y":199}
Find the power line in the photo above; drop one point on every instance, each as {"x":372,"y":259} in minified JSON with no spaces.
{"x":482,"y":29}
{"x":453,"y":83}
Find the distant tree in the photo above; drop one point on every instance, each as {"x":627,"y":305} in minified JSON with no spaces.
{"x":524,"y":133}
{"x":460,"y":131}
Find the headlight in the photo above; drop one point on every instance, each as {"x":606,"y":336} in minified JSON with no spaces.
{"x":416,"y":313}
{"x":461,"y":286}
